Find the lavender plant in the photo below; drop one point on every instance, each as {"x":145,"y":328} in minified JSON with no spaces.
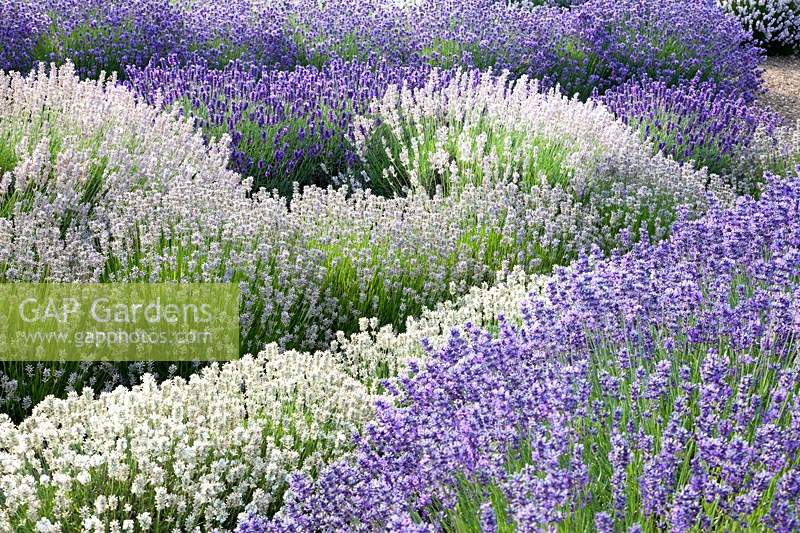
{"x":71,"y":155}
{"x":378,"y":352}
{"x":444,"y":34}
{"x":656,"y":390}
{"x":21,"y":24}
{"x":779,"y":150}
{"x":286,"y":126}
{"x":694,"y":122}
{"x":279,"y":140}
{"x":482,"y":130}
{"x":352,"y":31}
{"x":594,"y":45}
{"x":250,"y":31}
{"x":537,"y":3}
{"x":603,"y":43}
{"x":108,"y":36}
{"x":184,"y":454}
{"x":219,"y":403}
{"x":774,"y":23}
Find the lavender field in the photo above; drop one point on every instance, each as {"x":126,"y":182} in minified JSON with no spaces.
{"x":504,"y":265}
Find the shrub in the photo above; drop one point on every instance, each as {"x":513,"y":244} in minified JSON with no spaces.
{"x":106,"y":36}
{"x":81,"y":165}
{"x":286,"y":126}
{"x":180,"y":455}
{"x":444,"y":34}
{"x":596,"y":44}
{"x":278,"y":140}
{"x":481,"y":130}
{"x":694,"y":122}
{"x":259,"y":397}
{"x":778,"y":151}
{"x":532,"y":4}
{"x":348,"y":30}
{"x":639,"y":389}
{"x":98,"y":35}
{"x":604,"y":43}
{"x":21,"y":23}
{"x":379,"y":352}
{"x":774,"y":23}
{"x":250,"y":31}
{"x":76,"y":157}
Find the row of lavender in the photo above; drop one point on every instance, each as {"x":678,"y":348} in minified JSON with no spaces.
{"x":775,"y":24}
{"x":298,"y":127}
{"x":228,"y":70}
{"x":595,"y":44}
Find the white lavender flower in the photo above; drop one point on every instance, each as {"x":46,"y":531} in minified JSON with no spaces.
{"x":195,"y":451}
{"x":776,"y":23}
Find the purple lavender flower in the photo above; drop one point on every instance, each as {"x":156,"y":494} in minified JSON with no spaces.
{"x":604,"y":43}
{"x":783,"y":517}
{"x":286,"y":126}
{"x":99,"y":35}
{"x":105,"y":36}
{"x":603,"y":523}
{"x":21,"y":24}
{"x":693,"y":122}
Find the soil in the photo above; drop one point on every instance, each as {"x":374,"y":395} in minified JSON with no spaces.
{"x":782,"y":80}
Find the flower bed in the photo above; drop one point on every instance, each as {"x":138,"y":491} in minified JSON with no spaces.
{"x":637,"y":389}
{"x":91,"y":190}
{"x":494,"y":272}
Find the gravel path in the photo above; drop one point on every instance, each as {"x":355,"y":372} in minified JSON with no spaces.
{"x":782,"y":79}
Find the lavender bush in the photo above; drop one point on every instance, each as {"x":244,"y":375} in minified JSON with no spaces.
{"x":536,"y":3}
{"x":656,"y":390}
{"x":107,"y":36}
{"x":603,"y":43}
{"x":444,"y":34}
{"x":251,"y":31}
{"x":21,"y":24}
{"x":594,"y":45}
{"x":694,"y":122}
{"x":478,"y":129}
{"x":180,"y":455}
{"x":286,"y":126}
{"x":347,"y":30}
{"x":774,"y":23}
{"x":71,"y":156}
